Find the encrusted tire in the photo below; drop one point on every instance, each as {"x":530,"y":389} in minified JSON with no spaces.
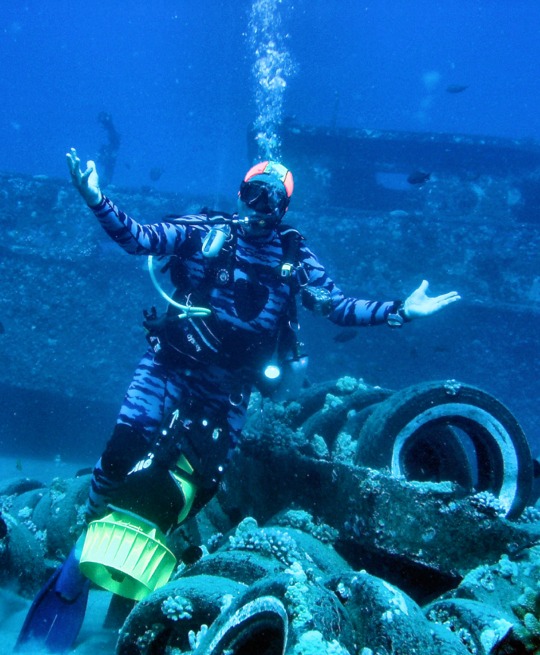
{"x":281,"y":615}
{"x":434,"y":454}
{"x":327,"y":422}
{"x":422,"y":459}
{"x":498,"y":448}
{"x":162,"y":621}
{"x":260,"y":623}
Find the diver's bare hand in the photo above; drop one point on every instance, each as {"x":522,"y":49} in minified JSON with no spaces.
{"x":418,"y":304}
{"x":87,"y":183}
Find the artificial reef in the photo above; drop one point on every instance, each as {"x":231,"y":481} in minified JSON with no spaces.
{"x":327,"y":537}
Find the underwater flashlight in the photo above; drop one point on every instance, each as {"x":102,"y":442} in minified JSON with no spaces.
{"x":272,"y":371}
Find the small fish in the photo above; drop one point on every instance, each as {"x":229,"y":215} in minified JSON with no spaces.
{"x":156,"y":173}
{"x":399,"y":213}
{"x":440,"y":349}
{"x":345,"y":335}
{"x":418,"y":177}
{"x":2,"y":328}
{"x":456,"y":88}
{"x":18,"y":465}
{"x":84,"y":471}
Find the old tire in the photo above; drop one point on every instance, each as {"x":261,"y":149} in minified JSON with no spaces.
{"x":328,"y":422}
{"x":150,"y":630}
{"x":266,"y":620}
{"x":501,"y":454}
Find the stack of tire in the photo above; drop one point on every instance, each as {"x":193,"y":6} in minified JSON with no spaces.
{"x":280,"y":591}
{"x":432,"y":431}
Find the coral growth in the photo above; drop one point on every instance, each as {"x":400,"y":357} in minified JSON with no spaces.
{"x":267,"y":541}
{"x":177,"y":608}
{"x":527,"y":611}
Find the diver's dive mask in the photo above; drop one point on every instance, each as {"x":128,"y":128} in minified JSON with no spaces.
{"x":265,"y":199}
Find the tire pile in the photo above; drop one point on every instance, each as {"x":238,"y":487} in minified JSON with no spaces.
{"x":354,"y":520}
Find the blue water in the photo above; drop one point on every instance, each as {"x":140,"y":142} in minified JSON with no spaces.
{"x":177,"y":77}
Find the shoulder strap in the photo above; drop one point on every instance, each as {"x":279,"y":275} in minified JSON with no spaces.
{"x":291,"y":240}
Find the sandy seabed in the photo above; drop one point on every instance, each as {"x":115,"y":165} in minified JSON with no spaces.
{"x":93,"y":638}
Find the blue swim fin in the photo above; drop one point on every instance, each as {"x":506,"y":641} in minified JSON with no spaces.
{"x":57,"y":613}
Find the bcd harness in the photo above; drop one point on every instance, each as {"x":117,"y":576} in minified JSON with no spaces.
{"x":194,"y":334}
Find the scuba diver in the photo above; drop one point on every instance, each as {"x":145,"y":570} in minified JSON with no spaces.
{"x":236,"y":279}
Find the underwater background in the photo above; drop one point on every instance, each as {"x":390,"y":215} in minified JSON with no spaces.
{"x":177,"y":77}
{"x":413,"y":132}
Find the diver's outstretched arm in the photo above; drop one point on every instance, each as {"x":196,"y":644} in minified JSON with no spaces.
{"x":87,"y":183}
{"x":418,"y":305}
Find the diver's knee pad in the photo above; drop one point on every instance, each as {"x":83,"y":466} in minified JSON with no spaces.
{"x":123,"y":450}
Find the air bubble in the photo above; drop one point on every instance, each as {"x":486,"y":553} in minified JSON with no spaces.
{"x":272,"y":67}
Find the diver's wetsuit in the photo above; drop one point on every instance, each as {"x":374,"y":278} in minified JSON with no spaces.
{"x":248,"y":307}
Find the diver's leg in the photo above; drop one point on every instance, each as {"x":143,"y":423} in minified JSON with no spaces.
{"x":124,"y":449}
{"x":55,"y":618}
{"x":214,"y":394}
{"x":152,"y":392}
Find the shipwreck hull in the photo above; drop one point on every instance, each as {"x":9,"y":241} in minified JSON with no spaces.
{"x":71,"y":302}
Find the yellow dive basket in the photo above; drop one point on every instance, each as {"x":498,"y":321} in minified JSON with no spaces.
{"x":126,"y":554}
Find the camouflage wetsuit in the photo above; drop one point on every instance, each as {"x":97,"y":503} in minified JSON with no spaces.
{"x":247,"y":308}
